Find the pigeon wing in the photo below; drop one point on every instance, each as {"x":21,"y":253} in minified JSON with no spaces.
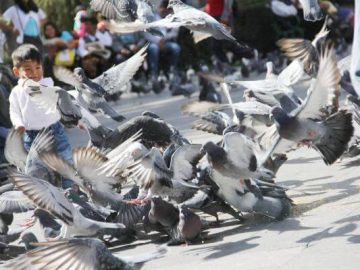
{"x":66,"y":76}
{"x":45,"y":196}
{"x":15,"y":152}
{"x":184,"y":160}
{"x":114,"y":79}
{"x":324,"y":90}
{"x":14,"y":202}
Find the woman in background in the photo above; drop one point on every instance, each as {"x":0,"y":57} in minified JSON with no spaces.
{"x":60,"y":46}
{"x":27,"y":19}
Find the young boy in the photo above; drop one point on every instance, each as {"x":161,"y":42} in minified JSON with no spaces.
{"x":26,"y":116}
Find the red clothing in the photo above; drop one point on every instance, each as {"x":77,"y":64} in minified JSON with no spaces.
{"x":214,"y":8}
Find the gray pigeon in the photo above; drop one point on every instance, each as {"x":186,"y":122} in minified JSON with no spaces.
{"x":232,"y":167}
{"x":309,"y":125}
{"x":154,"y":132}
{"x":124,"y":10}
{"x":49,"y":198}
{"x":181,"y":224}
{"x":127,"y":11}
{"x":153,"y":175}
{"x":79,"y":253}
{"x":90,"y":95}
{"x":91,"y":92}
{"x":201,"y":24}
{"x":188,"y":228}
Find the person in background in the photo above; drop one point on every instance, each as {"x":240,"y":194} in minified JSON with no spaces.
{"x":94,"y":56}
{"x":126,"y":45}
{"x":105,"y":37}
{"x":79,"y":26}
{"x":162,"y":45}
{"x":221,"y":10}
{"x":27,"y":19}
{"x":4,"y":26}
{"x":27,"y":116}
{"x":60,"y":46}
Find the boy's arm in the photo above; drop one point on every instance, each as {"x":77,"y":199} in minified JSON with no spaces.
{"x":15,"y":113}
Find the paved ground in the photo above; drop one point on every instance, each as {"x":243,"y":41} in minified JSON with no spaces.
{"x":322,"y":233}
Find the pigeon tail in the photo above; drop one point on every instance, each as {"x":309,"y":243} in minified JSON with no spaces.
{"x":277,"y":208}
{"x":339,"y":132}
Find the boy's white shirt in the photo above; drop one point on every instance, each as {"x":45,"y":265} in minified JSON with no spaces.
{"x":25,"y":112}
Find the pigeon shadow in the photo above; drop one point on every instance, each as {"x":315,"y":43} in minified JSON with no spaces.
{"x":302,"y":160}
{"x":225,"y":249}
{"x":343,"y":231}
{"x":355,"y":218}
{"x":352,"y":163}
{"x":292,"y":184}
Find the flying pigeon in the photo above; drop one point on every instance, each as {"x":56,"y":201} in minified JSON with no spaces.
{"x":201,"y":24}
{"x":309,"y":124}
{"x":49,"y":198}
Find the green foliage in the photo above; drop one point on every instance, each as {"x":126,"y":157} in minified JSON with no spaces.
{"x":61,"y":12}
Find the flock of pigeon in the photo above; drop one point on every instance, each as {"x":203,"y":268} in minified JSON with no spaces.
{"x":168,"y":180}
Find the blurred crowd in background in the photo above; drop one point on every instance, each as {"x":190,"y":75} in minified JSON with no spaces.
{"x":89,"y":44}
{"x":172,"y":58}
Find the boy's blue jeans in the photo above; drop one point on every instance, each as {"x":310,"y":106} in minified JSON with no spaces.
{"x":63,"y":147}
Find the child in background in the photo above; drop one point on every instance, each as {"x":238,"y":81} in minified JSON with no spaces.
{"x":26,"y":116}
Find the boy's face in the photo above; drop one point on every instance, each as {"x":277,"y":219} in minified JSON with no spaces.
{"x":29,"y":70}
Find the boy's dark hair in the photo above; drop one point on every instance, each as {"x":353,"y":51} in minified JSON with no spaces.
{"x":26,"y":52}
{"x":28,"y":6}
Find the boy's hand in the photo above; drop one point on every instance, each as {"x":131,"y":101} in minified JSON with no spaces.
{"x":21,"y":129}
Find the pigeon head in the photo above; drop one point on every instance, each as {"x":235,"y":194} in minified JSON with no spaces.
{"x":28,"y":239}
{"x":151,"y":114}
{"x":239,"y":115}
{"x":213,"y":151}
{"x":280,"y":115}
{"x":184,"y":212}
{"x":80,"y":73}
{"x":163,"y":212}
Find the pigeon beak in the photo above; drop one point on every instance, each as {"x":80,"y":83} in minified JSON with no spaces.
{"x":271,"y":117}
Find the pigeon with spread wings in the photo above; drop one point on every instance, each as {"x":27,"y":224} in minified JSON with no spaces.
{"x":48,"y":197}
{"x":309,"y":124}
{"x":201,"y":24}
